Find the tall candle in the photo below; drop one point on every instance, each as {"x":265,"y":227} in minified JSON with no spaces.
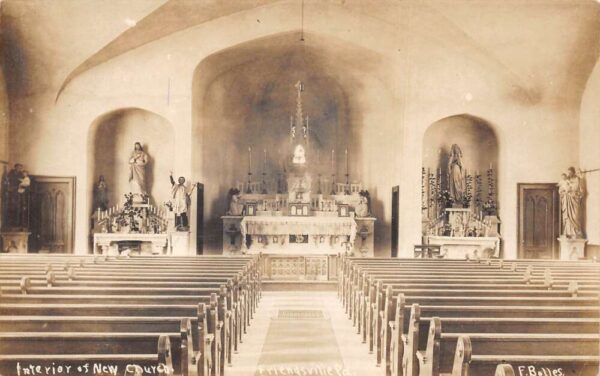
{"x":490,"y":165}
{"x":332,"y":161}
{"x":307,"y":132}
{"x":265,"y":161}
{"x":249,"y":160}
{"x":347,"y":165}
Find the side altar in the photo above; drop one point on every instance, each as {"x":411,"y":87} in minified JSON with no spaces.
{"x":457,"y":222}
{"x":299,"y":213}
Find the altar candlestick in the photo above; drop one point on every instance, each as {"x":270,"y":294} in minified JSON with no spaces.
{"x":249,"y":160}
{"x":307,"y":132}
{"x":265,"y":161}
{"x":98,"y":215}
{"x":347,"y":165}
{"x":332,"y":160}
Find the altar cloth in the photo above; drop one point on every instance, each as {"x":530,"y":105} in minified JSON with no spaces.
{"x":287,"y":225}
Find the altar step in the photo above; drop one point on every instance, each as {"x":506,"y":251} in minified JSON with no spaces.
{"x":295,"y":285}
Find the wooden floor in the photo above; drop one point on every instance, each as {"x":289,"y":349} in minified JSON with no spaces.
{"x":257,"y":353}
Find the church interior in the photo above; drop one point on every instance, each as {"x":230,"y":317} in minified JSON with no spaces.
{"x":300,"y":187}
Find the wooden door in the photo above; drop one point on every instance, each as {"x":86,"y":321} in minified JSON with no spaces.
{"x":200,"y":219}
{"x":539,"y":210}
{"x":52,"y":214}
{"x":395,"y":219}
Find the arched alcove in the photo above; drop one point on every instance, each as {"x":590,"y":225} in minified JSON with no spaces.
{"x":479,"y":145}
{"x":110,"y":144}
{"x":244,"y":96}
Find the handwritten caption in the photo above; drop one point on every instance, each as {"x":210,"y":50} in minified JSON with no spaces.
{"x":304,"y":370}
{"x":90,"y":369}
{"x":539,"y":371}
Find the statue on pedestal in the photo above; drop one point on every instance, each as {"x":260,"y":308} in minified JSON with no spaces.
{"x":137,"y":171}
{"x":571,"y":192}
{"x":180,"y":201}
{"x":456,"y":178}
{"x":101,"y":194}
{"x":15,"y":188}
{"x":362,"y":209}
{"x":235,"y":206}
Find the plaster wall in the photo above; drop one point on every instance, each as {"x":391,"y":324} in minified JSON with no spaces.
{"x":589,"y":153}
{"x":4,"y":120}
{"x":428,"y":73}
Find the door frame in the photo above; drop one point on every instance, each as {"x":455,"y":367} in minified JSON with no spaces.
{"x":395,"y":235}
{"x":72,"y":182}
{"x":555,"y":216}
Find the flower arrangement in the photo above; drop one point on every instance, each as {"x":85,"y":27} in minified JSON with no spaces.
{"x":490,"y":206}
{"x":130,"y":216}
{"x":423,"y":189}
{"x":478,"y":191}
{"x":444,"y":199}
{"x":468,"y":195}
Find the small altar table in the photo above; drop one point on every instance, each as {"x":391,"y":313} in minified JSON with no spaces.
{"x":316,"y":235}
{"x":103,"y":242}
{"x":459,"y":247}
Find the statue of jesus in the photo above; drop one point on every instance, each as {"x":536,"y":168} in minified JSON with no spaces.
{"x":137,"y":173}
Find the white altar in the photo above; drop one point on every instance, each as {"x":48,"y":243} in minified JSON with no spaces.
{"x":107,"y":243}
{"x":298,"y":235}
{"x":299,"y":215}
{"x":461,"y":247}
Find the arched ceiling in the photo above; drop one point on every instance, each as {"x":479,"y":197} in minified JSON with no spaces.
{"x":548,"y":47}
{"x":171,"y":17}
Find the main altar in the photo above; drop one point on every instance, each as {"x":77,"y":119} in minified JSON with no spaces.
{"x":299,"y":220}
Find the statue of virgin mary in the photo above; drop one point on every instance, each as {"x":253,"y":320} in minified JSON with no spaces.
{"x":137,"y":167}
{"x":456,"y":176}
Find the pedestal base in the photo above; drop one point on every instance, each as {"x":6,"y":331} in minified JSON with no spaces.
{"x":15,"y":241}
{"x":572,"y":249}
{"x":180,"y":243}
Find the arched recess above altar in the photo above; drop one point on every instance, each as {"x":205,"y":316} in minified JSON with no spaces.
{"x":459,"y":203}
{"x":257,"y":115}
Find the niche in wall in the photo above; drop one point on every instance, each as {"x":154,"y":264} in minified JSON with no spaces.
{"x":243,"y":96}
{"x":110,"y":144}
{"x":479,"y":146}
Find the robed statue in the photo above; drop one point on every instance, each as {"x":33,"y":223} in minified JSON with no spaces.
{"x":101,"y":194}
{"x":137,"y":170}
{"x":456,"y":175}
{"x":15,"y":188}
{"x":571,"y":192}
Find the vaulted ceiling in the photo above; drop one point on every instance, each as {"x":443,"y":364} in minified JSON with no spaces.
{"x":554,"y":43}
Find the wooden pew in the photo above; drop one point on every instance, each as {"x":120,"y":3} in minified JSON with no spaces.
{"x":188,"y":352}
{"x":210,"y":324}
{"x":421,"y":329}
{"x":480,"y":354}
{"x":106,"y":269}
{"x":403,"y":329}
{"x":100,"y":353}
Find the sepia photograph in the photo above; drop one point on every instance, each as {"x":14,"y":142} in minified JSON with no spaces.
{"x":299,"y":187}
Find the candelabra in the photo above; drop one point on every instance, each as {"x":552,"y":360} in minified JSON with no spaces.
{"x":248,"y":190}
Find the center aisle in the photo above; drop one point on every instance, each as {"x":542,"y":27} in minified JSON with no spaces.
{"x":302,"y":333}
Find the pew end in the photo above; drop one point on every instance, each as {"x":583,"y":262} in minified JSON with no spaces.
{"x":165,"y":355}
{"x":504,"y":370}
{"x":462,"y":356}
